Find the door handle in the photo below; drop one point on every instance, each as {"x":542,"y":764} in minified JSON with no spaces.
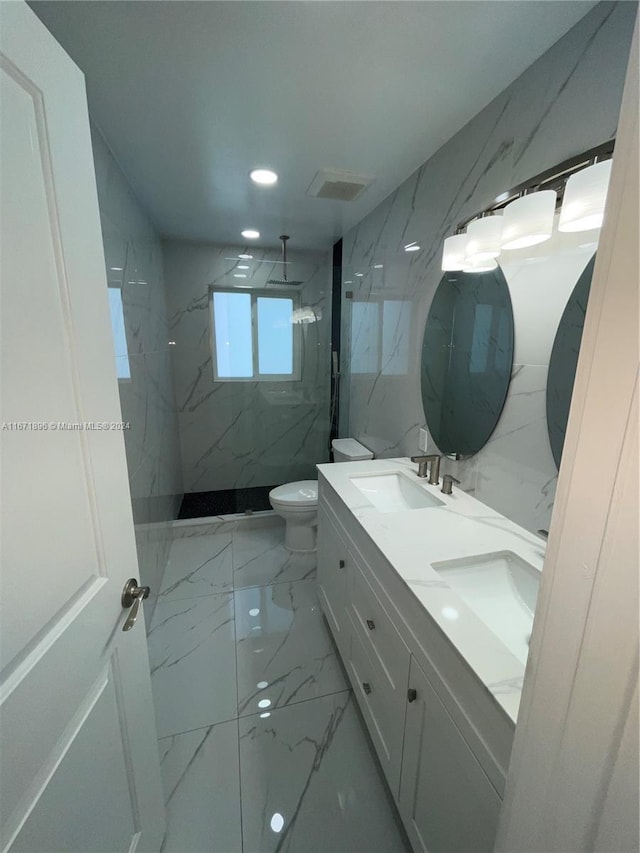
{"x":366,"y":687}
{"x":371,"y":624}
{"x":341,"y":564}
{"x":133,"y":596}
{"x":412,"y":694}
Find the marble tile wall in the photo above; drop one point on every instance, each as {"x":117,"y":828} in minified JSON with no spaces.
{"x":133,"y":259}
{"x":565,"y":103}
{"x":241,"y":434}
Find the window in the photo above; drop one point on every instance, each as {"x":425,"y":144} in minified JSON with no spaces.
{"x":254,"y":337}
{"x":119,"y":337}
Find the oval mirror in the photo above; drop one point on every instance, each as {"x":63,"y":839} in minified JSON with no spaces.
{"x":564,"y":360}
{"x":466,"y":359}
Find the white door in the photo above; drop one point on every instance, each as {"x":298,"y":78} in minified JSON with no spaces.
{"x":79,"y":763}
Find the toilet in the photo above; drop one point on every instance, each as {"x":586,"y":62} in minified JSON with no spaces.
{"x":297,"y":502}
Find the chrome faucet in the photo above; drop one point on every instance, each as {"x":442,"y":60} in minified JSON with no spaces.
{"x":431,"y":464}
{"x":447,"y":484}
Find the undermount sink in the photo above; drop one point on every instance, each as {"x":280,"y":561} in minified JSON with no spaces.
{"x":393,"y":492}
{"x":501,"y":589}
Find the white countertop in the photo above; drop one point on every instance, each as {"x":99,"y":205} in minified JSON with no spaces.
{"x":411,"y":540}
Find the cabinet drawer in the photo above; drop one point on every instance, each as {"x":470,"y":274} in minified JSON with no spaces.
{"x":378,"y":633}
{"x":383,"y":712}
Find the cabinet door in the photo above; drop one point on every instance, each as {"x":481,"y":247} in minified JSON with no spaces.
{"x":333,"y":558}
{"x":383,"y":713}
{"x":447,"y":803}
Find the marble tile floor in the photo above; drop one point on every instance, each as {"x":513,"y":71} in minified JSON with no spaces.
{"x":262,"y":748}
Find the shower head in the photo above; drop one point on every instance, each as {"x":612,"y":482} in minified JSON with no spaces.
{"x":284,"y":279}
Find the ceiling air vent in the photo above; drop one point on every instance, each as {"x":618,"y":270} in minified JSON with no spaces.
{"x":338,"y":185}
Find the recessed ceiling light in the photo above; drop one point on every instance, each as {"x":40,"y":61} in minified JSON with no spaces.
{"x":359,"y":274}
{"x":264,"y":177}
{"x":349,"y":282}
{"x":239,"y":275}
{"x":250,"y":234}
{"x":243,"y":267}
{"x":245,"y":257}
{"x":412,"y":247}
{"x":377,"y":266}
{"x":117,"y":269}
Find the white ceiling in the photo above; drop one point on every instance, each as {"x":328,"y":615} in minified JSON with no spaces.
{"x":192,"y":95}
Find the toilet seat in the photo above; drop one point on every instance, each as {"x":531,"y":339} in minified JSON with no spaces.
{"x":300,"y":495}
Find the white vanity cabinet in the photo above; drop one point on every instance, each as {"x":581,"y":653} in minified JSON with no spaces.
{"x":333,"y":557}
{"x":446,"y":801}
{"x":441,"y":740}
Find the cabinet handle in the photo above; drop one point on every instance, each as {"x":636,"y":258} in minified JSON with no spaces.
{"x":412,"y":694}
{"x":371,"y":624}
{"x":366,"y":687}
{"x":341,"y":563}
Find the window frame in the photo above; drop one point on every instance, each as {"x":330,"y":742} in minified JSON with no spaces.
{"x":255,"y":294}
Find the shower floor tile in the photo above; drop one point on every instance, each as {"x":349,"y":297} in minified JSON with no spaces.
{"x":198,"y":565}
{"x":284,"y":651}
{"x":310,"y":783}
{"x":193,"y":663}
{"x":201,"y":778}
{"x":260,"y":558}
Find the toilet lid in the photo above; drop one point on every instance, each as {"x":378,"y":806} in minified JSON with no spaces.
{"x":302,"y":493}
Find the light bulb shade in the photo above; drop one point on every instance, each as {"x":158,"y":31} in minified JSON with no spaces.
{"x":528,"y":220}
{"x":484,"y":239}
{"x":454,"y":252}
{"x":584,"y":198}
{"x":485,"y":265}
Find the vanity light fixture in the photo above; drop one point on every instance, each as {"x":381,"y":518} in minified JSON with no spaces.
{"x":528,"y":220}
{"x":264,"y":177}
{"x":453,"y":256}
{"x":484,"y":238}
{"x":250,"y":234}
{"x":584,"y":198}
{"x":528,"y":210}
{"x":480,"y":266}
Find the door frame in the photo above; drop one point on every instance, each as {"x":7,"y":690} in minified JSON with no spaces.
{"x":573,"y":777}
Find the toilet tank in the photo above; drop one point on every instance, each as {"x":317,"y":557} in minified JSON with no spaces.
{"x":349,"y":450}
